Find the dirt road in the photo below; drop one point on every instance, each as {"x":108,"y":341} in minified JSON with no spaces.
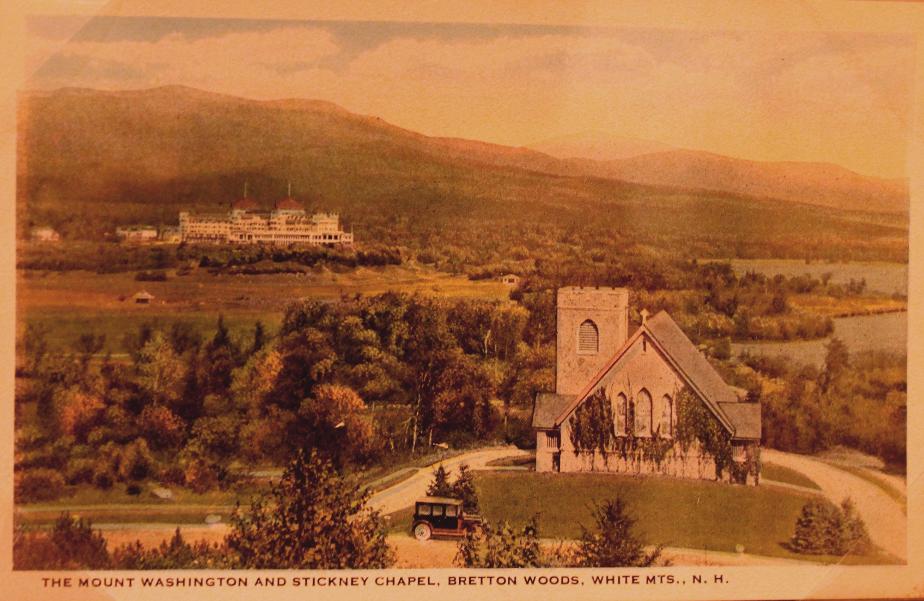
{"x":884,"y":517}
{"x":406,"y":492}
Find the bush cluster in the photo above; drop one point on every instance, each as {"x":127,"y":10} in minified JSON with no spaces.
{"x":823,"y":528}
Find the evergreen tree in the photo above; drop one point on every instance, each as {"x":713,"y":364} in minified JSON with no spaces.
{"x":817,"y":528}
{"x":614,"y":543}
{"x":464,"y":489}
{"x":823,"y":528}
{"x":440,"y":486}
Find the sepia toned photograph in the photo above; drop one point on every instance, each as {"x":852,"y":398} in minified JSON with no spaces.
{"x":401,"y":301}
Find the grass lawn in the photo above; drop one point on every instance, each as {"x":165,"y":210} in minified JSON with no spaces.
{"x":673,"y":512}
{"x":514,"y":461}
{"x":779,"y":473}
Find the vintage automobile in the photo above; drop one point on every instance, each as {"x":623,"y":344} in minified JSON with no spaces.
{"x":441,"y":516}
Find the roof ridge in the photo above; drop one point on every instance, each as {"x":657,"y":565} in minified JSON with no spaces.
{"x":644,"y":328}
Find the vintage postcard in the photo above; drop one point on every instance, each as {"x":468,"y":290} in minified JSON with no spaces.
{"x":582,"y":300}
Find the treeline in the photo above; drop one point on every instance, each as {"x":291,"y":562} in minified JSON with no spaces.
{"x":708,"y":300}
{"x":310,"y":519}
{"x":112,"y":257}
{"x":356,"y":380}
{"x":857,"y":401}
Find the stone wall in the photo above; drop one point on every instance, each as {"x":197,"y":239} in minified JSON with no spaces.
{"x":608,"y":309}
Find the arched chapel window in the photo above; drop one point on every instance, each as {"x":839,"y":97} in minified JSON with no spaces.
{"x":667,"y":416}
{"x":643,"y":414}
{"x":621,"y":405}
{"x":588,"y":337}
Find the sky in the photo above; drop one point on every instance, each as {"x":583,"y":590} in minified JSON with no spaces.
{"x":844,"y":98}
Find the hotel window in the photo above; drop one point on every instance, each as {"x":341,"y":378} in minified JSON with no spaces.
{"x":588,"y":338}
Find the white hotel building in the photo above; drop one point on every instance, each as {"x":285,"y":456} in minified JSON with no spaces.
{"x":245,"y":223}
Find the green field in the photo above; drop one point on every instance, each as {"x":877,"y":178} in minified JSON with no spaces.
{"x":679,"y":513}
{"x":73,"y":303}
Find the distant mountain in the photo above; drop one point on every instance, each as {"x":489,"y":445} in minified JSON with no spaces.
{"x":89,"y":159}
{"x":822,"y":184}
{"x":597,"y":146}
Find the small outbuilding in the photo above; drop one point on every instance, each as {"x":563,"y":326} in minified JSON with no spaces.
{"x":44,"y":234}
{"x":510,"y":279}
{"x":143,"y":298}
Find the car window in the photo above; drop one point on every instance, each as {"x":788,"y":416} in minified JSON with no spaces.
{"x":452,"y":511}
{"x":437,"y":510}
{"x":423,"y":509}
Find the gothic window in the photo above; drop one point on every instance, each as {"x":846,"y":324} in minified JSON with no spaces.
{"x":621,"y":405}
{"x":667,"y":416}
{"x":588,"y":337}
{"x":643,"y":414}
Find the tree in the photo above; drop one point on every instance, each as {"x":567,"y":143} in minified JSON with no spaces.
{"x":440,"y":486}
{"x":837,"y":360}
{"x":823,"y":528}
{"x":311,"y":519}
{"x":72,"y":544}
{"x":161,"y":371}
{"x":614,"y":543}
{"x":259,"y":338}
{"x":501,"y":546}
{"x":88,"y":345}
{"x":331,"y":421}
{"x":35,"y":346}
{"x":464,"y":489}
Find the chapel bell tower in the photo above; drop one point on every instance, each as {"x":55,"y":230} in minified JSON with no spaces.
{"x":592,"y":324}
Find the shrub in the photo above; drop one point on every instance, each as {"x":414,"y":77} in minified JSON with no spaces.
{"x":38,"y":485}
{"x":501,"y":546}
{"x":103,"y":478}
{"x":72,"y":544}
{"x":823,"y":528}
{"x":136,"y":461}
{"x":133,"y":490}
{"x":79,"y":470}
{"x":172,"y":555}
{"x":200,"y":476}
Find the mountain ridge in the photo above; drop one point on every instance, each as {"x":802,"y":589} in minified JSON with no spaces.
{"x":179,"y":132}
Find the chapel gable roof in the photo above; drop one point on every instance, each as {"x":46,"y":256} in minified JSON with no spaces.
{"x":548,"y":406}
{"x":692,"y":362}
{"x":745,"y":417}
{"x":743,"y":422}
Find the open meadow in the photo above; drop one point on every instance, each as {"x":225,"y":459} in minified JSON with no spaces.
{"x":72,"y":303}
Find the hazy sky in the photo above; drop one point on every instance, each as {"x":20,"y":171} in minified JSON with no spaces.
{"x":838,"y":97}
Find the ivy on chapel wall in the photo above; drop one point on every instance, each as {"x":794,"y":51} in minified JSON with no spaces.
{"x":593,"y":430}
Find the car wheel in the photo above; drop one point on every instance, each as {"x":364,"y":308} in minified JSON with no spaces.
{"x":422,"y":531}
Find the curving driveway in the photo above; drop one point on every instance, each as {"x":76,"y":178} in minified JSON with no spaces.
{"x":404,"y":493}
{"x":884,"y":517}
